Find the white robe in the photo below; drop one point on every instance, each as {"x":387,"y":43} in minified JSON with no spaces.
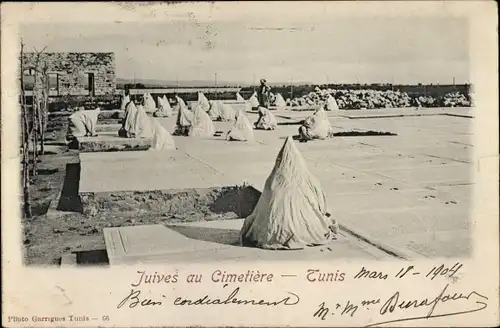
{"x":202,"y":125}
{"x":331,"y":103}
{"x":239,"y":97}
{"x":292,"y":210}
{"x":317,"y":126}
{"x":83,"y":123}
{"x":215,"y":111}
{"x":136,"y":123}
{"x":280,"y":102}
{"x":181,"y":102}
{"x":149,"y":103}
{"x":161,"y":140}
{"x":242,"y":129}
{"x":203,"y":102}
{"x":267,"y":121}
{"x":227,"y":113}
{"x":184,"y":117}
{"x":254,"y":101}
{"x":164,"y":108}
{"x":125,"y":101}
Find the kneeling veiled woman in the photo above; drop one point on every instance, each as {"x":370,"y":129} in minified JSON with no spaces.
{"x":292,"y":211}
{"x":184,"y":120}
{"x":136,"y":123}
{"x":201,"y":124}
{"x":266,"y":120}
{"x":316,"y":126}
{"x":242,"y":129}
{"x":161,"y":140}
{"x":83,"y":123}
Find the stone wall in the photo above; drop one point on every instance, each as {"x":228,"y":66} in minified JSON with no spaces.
{"x":72,"y":67}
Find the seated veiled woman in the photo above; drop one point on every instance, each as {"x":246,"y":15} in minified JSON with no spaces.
{"x":184,"y":120}
{"x":136,"y":123}
{"x":242,"y":129}
{"x":316,"y":126}
{"x":164,"y":108}
{"x":227,"y":113}
{"x":161,"y":140}
{"x":266,"y":120}
{"x":83,"y":123}
{"x":201,"y":124}
{"x":215,"y":110}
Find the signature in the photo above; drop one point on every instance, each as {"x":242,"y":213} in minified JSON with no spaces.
{"x":396,"y":303}
{"x":134,"y":299}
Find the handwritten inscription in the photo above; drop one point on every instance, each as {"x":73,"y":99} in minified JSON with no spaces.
{"x":397,"y":304}
{"x":134,"y":299}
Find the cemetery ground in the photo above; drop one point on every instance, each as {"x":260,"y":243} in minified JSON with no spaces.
{"x":408,"y":193}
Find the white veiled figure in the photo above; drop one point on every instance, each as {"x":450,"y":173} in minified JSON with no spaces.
{"x":83,"y":123}
{"x":124,"y":101}
{"x":181,"y":102}
{"x":164,"y":108}
{"x":202,"y":125}
{"x":254,"y":101}
{"x":316,"y":126}
{"x":292,"y":211}
{"x":227,"y":113}
{"x":331,"y":103}
{"x":215,"y":111}
{"x":184,"y":117}
{"x":203,"y":102}
{"x":149,"y":103}
{"x":242,"y":129}
{"x":136,"y":123}
{"x":280,"y":102}
{"x":161,"y":140}
{"x":267,"y":121}
{"x":239,"y":97}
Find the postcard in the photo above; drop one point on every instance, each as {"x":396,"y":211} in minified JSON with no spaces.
{"x":250,"y":164}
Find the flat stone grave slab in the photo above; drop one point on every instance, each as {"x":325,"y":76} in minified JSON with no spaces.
{"x":144,"y":171}
{"x":108,"y":128}
{"x":213,"y":241}
{"x":110,"y":141}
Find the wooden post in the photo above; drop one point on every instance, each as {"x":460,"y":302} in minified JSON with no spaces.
{"x":25,"y":138}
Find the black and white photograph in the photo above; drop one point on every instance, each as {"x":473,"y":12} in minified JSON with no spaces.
{"x":256,"y":134}
{"x":193,"y":140}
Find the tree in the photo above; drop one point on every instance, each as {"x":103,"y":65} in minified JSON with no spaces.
{"x":25,"y":149}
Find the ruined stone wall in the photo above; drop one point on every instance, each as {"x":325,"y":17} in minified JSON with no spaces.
{"x":71,"y":68}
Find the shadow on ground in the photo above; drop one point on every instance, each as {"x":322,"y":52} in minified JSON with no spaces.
{"x":70,"y":199}
{"x":214,"y":235}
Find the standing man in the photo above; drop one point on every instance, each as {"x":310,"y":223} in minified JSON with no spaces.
{"x":263,"y":94}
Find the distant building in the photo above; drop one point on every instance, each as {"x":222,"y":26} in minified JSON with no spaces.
{"x":73,"y":73}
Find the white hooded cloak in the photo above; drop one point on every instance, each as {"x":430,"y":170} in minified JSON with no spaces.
{"x":203,"y":102}
{"x":136,"y":123}
{"x":317,"y":126}
{"x":202,"y":125}
{"x":267,"y":121}
{"x":83,"y":123}
{"x":291,"y":211}
{"x":239,"y":97}
{"x":280,"y":102}
{"x":149,"y":103}
{"x":242,"y":129}
{"x":161,"y":140}
{"x":331,"y":103}
{"x":254,"y":101}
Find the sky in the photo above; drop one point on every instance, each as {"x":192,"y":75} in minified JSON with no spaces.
{"x":317,"y":47}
